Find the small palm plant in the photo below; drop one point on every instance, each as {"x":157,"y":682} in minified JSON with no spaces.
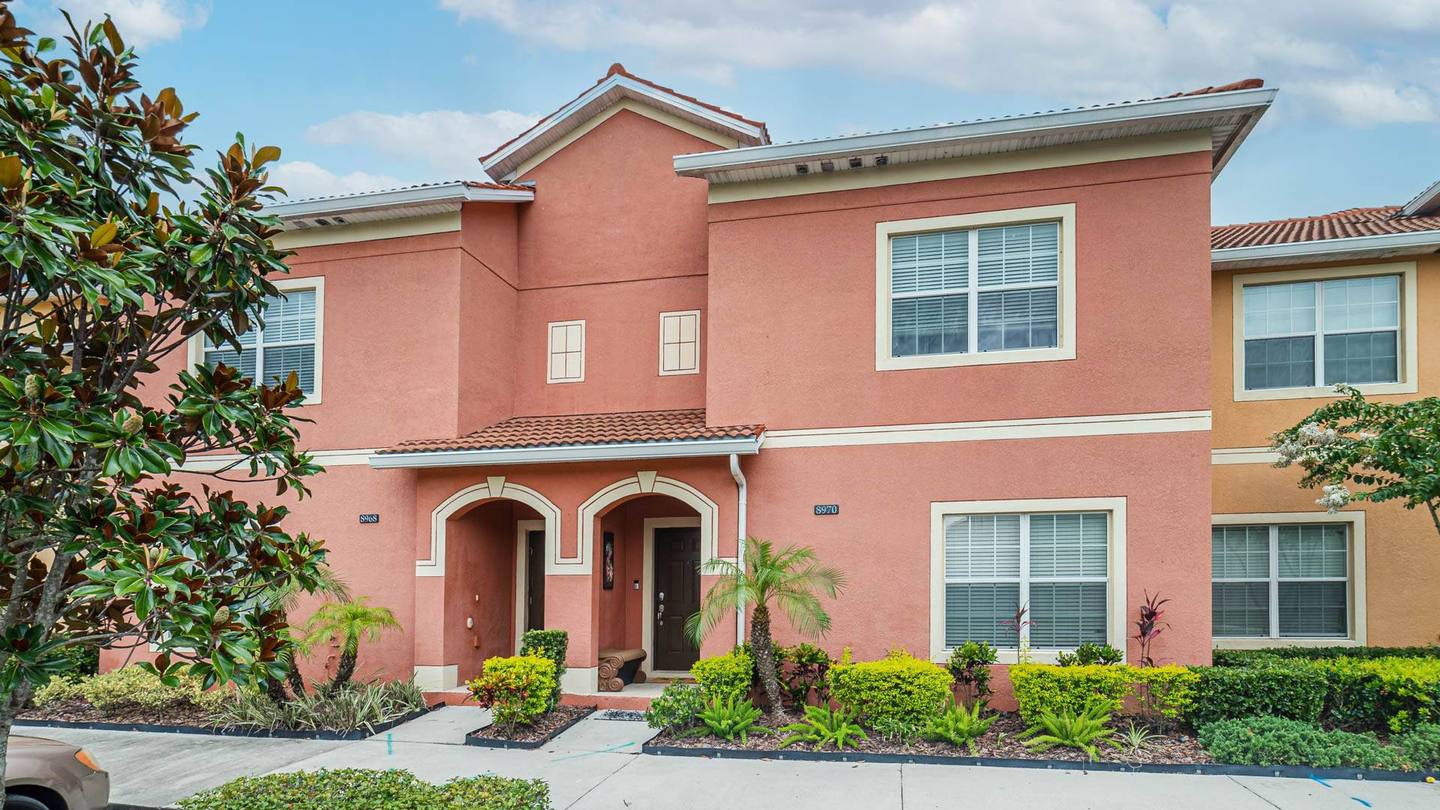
{"x":285,"y":597}
{"x":348,"y":623}
{"x":1067,"y":729}
{"x":823,"y":726}
{"x":791,"y":579}
{"x":959,"y":725}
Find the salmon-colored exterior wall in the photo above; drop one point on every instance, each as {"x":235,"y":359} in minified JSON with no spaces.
{"x":437,"y":335}
{"x":1402,"y":549}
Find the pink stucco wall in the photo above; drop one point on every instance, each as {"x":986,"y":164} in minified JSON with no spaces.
{"x":434,"y":336}
{"x":1143,"y":259}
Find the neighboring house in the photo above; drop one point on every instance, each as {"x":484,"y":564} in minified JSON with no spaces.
{"x":1302,"y":304}
{"x":968,"y":363}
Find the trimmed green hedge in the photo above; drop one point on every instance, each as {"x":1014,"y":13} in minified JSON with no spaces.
{"x":1294,"y":690}
{"x":551,"y":644}
{"x":361,"y":789}
{"x":724,"y":677}
{"x":899,"y":689}
{"x":1391,"y":694}
{"x":1278,"y":741}
{"x":1163,"y":693}
{"x":1241,"y":658}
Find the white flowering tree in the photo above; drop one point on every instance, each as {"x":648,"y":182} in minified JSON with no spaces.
{"x":1358,"y":450}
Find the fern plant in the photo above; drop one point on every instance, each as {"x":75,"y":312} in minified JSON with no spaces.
{"x":823,"y":726}
{"x":1069,"y":730}
{"x":729,"y":719}
{"x":959,"y":725}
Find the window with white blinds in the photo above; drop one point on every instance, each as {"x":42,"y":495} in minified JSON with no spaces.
{"x":1318,"y":333}
{"x":1057,"y":564}
{"x":565,"y":354}
{"x":975,"y":290}
{"x":1280,"y":581}
{"x":286,"y":342}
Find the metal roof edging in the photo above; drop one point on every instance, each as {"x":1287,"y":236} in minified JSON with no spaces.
{"x":568,"y":453}
{"x":1321,"y":247}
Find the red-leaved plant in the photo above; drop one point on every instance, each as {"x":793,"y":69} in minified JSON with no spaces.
{"x":1149,"y":626}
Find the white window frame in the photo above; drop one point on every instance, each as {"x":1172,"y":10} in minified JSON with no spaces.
{"x":1407,"y":345}
{"x":195,"y":348}
{"x":1355,"y":596}
{"x":676,"y":316}
{"x":1065,"y":303}
{"x":550,"y":352}
{"x":1115,"y":602}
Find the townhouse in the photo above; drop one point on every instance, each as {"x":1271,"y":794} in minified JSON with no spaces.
{"x":973,"y":365}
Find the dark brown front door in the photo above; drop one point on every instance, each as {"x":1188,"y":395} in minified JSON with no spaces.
{"x":677,"y":596}
{"x":535,"y":584}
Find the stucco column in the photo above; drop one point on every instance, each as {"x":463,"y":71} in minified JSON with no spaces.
{"x":432,"y":671}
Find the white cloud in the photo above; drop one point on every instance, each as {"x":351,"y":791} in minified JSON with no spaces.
{"x":448,"y":141}
{"x":141,"y":22}
{"x":301,"y":178}
{"x":1357,"y":62}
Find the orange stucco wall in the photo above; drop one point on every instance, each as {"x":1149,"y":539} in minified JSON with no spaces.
{"x":1402,"y":548}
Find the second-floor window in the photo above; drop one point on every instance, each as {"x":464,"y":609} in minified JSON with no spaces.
{"x":680,"y":342}
{"x":288,"y":341}
{"x":1310,"y":334}
{"x":995,"y":287}
{"x":566,"y":352}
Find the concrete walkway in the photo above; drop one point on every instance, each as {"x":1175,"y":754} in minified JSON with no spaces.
{"x":595,"y":766}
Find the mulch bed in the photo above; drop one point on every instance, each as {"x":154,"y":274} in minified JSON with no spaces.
{"x":1002,"y":741}
{"x":80,"y":711}
{"x":534,"y":736}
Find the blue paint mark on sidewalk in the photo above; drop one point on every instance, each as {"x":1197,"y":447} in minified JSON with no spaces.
{"x":1321,"y":781}
{"x":1361,"y":801}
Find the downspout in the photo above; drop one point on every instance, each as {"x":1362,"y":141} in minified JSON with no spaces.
{"x":742,"y":491}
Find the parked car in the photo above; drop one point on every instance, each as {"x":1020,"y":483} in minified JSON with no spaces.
{"x":43,"y":774}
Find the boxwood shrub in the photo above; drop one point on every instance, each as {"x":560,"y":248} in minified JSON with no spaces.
{"x":551,"y":644}
{"x":1280,"y":741}
{"x":1390,"y":694}
{"x":723,"y":677}
{"x":899,"y":690}
{"x":1293,"y":690}
{"x":1042,"y":688}
{"x":361,"y":789}
{"x":1241,"y":658}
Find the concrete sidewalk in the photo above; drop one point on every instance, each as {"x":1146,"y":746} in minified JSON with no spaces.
{"x":596,"y":766}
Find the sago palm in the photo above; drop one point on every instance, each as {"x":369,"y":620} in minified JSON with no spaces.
{"x":790,"y":579}
{"x":348,"y":623}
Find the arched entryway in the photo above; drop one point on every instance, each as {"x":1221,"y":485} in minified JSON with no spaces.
{"x":648,"y":536}
{"x":489,"y":542}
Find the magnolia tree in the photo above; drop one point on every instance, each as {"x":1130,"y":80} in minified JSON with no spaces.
{"x":103,"y":273}
{"x":1357,"y":450}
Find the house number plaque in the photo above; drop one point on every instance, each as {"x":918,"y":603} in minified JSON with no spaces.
{"x":827,"y":508}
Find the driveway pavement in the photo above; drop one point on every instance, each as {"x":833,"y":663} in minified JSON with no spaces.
{"x":596,"y":766}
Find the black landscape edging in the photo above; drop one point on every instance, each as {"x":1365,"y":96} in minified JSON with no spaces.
{"x":1205,"y":768}
{"x":496,"y":742}
{"x":156,"y":728}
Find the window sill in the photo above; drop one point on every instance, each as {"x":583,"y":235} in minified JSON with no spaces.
{"x":1249,"y":643}
{"x":1013,"y":356}
{"x":1012,"y":656}
{"x":1322,"y":392}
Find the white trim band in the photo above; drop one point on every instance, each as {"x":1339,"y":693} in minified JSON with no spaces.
{"x":691,"y":448}
{"x":1244,"y":455}
{"x":1046,"y":428}
{"x":325,"y":458}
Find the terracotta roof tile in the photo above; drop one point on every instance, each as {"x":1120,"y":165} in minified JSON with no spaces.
{"x":585,"y":429}
{"x":619,"y":69}
{"x":1351,"y":222}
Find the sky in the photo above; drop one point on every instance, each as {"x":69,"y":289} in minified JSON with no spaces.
{"x":363,"y":94}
